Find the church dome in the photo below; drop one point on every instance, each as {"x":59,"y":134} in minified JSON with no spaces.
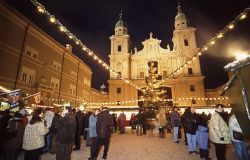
{"x":120,"y":23}
{"x":180,"y":14}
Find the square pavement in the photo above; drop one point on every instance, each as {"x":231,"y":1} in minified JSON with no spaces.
{"x":128,"y":146}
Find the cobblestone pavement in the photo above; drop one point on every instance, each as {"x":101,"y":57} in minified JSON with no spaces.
{"x":131,"y":147}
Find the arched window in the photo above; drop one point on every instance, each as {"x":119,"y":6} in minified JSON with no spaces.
{"x":185,"y":42}
{"x":119,"y":48}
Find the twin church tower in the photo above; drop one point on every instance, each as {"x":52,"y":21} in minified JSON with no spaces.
{"x":134,"y":65}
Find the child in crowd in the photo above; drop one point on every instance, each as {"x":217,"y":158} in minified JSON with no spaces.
{"x":202,"y":139}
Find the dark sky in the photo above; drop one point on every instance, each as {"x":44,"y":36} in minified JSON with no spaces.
{"x":93,"y":22}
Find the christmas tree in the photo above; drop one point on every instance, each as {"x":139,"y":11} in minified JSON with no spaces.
{"x":153,"y":95}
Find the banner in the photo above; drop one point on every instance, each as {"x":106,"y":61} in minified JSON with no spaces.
{"x":13,"y":98}
{"x":37,"y":97}
{"x":34,"y":98}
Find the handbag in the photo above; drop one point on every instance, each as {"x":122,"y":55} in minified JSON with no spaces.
{"x":238,"y":136}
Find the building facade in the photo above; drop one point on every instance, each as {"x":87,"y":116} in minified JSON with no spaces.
{"x":134,"y":65}
{"x":32,"y":61}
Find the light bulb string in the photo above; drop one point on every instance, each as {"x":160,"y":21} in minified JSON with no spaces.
{"x":79,"y":42}
{"x":210,"y":43}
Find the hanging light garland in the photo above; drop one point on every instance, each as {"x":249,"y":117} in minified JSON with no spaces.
{"x":210,"y":43}
{"x":41,"y":9}
{"x":164,"y":100}
{"x":4,"y":89}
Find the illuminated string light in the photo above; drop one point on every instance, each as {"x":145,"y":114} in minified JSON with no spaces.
{"x":40,"y":9}
{"x":4,"y":89}
{"x":141,"y":100}
{"x":220,"y":35}
{"x":52,"y":19}
{"x":62,"y":29}
{"x":224,"y":31}
{"x":243,"y":16}
{"x":231,"y":26}
{"x":212,"y":41}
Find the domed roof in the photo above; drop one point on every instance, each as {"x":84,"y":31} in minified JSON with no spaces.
{"x":180,"y":14}
{"x":121,"y":23}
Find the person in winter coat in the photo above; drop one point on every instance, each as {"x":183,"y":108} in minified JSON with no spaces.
{"x":203,"y":139}
{"x":53,"y":131}
{"x":168,"y":125}
{"x":93,"y":135}
{"x":48,"y":116}
{"x":34,"y":135}
{"x":79,"y":129}
{"x":240,"y":146}
{"x":14,"y":137}
{"x":139,"y":123}
{"x":66,"y":128}
{"x":184,"y":125}
{"x":162,"y":122}
{"x":86,"y":128}
{"x":176,"y":122}
{"x":191,"y":121}
{"x":104,"y":126}
{"x":122,"y":122}
{"x":133,"y":122}
{"x":219,"y":132}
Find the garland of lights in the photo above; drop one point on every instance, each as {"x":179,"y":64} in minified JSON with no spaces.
{"x":210,"y":43}
{"x":165,"y":100}
{"x":4,"y":89}
{"x":123,"y":102}
{"x":71,"y":36}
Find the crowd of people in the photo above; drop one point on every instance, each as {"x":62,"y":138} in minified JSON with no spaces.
{"x":219,"y":128}
{"x":60,"y":132}
{"x":54,"y":131}
{"x":200,"y":130}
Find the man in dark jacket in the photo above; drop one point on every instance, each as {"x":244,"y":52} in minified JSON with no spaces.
{"x":53,"y":131}
{"x":86,"y":128}
{"x":191,"y":121}
{"x":104,"y":128}
{"x":14,"y":137}
{"x":184,"y":125}
{"x":176,"y":122}
{"x":139,"y":123}
{"x":66,"y":128}
{"x":79,"y":129}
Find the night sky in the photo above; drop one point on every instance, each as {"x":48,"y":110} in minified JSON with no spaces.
{"x":93,"y":21}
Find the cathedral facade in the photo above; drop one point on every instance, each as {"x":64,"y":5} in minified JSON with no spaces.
{"x":133,"y":66}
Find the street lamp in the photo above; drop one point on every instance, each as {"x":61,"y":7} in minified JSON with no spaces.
{"x":241,"y":55}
